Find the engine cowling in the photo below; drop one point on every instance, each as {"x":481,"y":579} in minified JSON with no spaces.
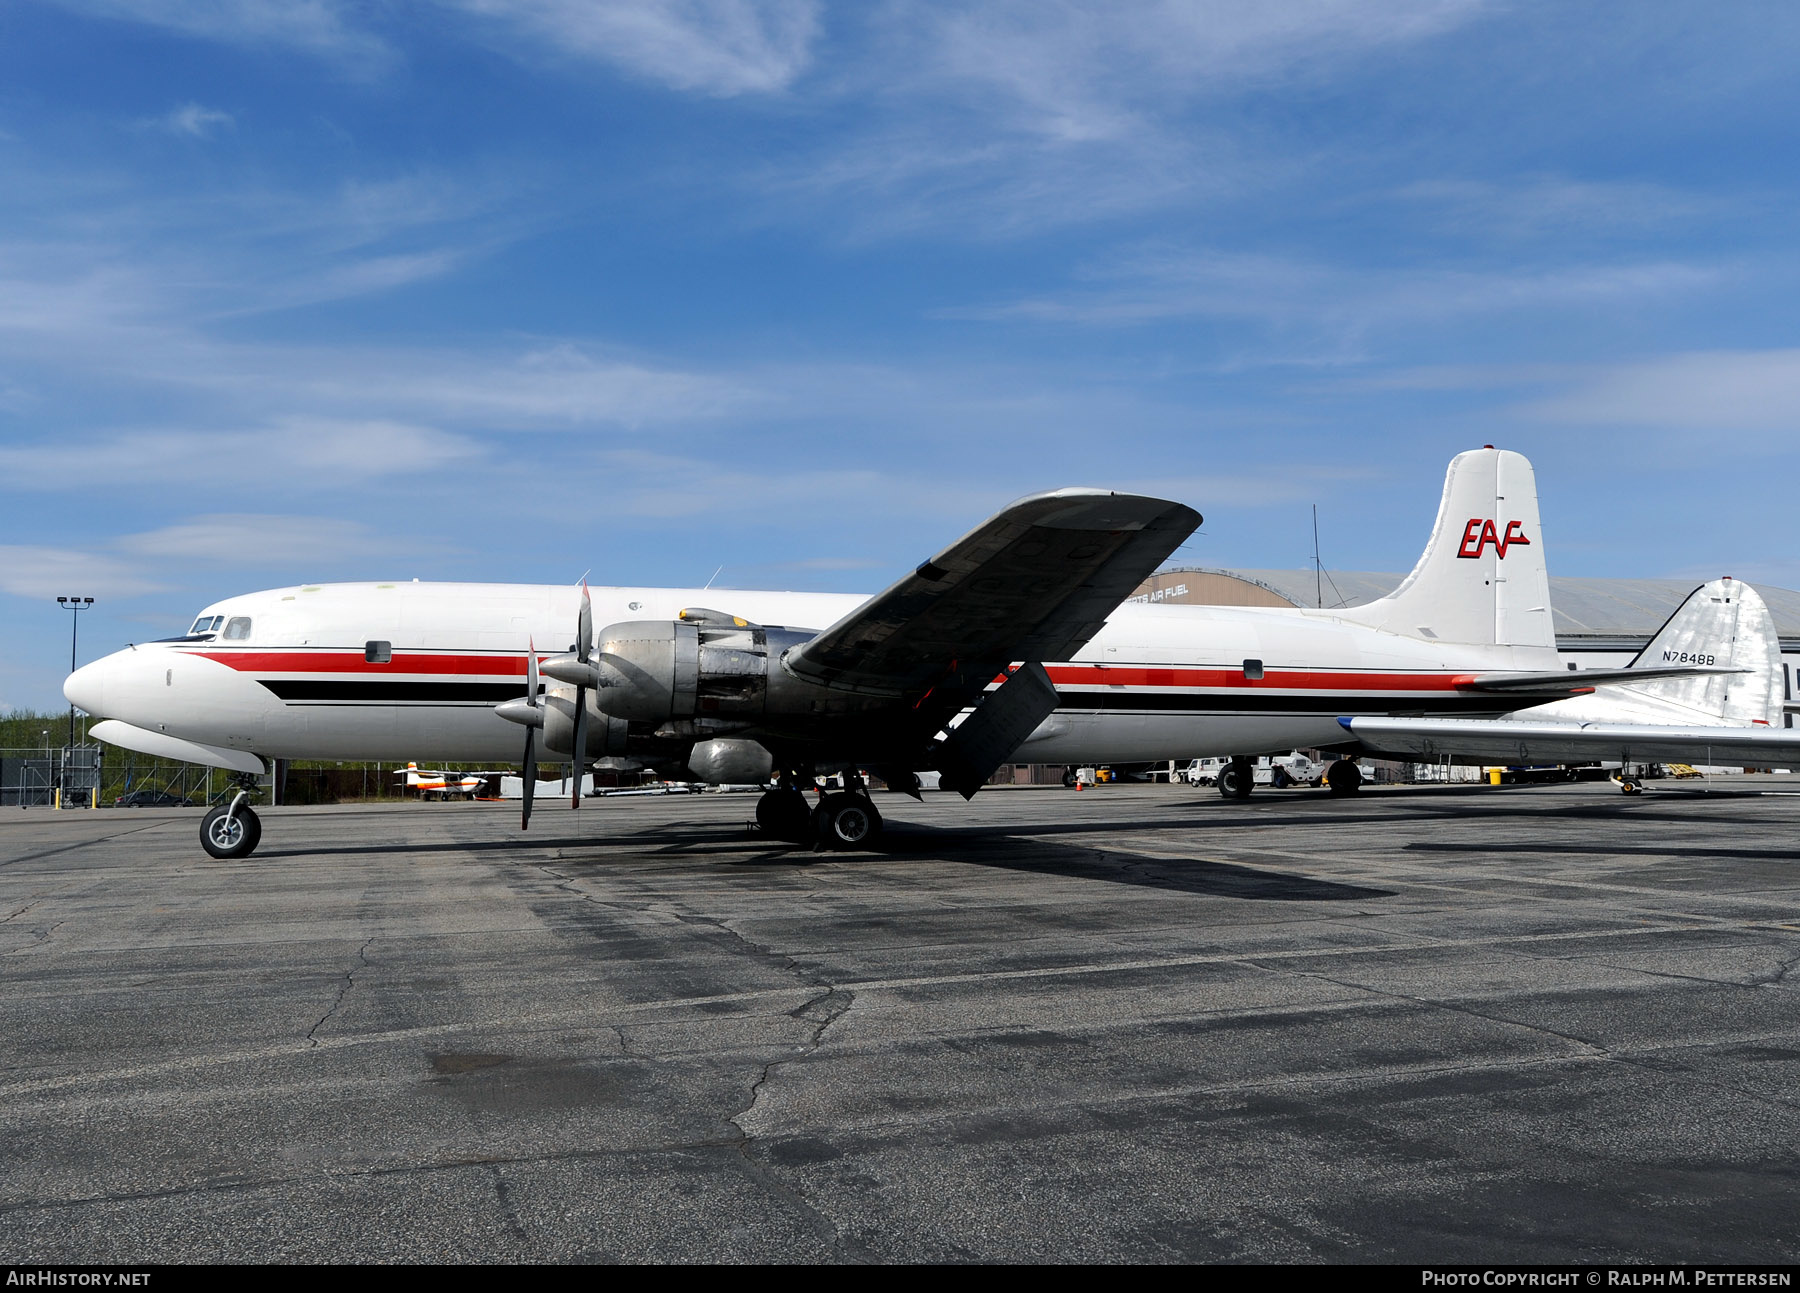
{"x":705,"y":670}
{"x":606,"y":736}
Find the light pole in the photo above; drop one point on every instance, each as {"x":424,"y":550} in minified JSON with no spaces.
{"x":76,"y":604}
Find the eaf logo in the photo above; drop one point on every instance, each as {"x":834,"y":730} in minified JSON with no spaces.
{"x":1478,"y":534}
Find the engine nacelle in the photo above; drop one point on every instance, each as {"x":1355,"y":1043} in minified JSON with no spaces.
{"x":729,"y":762}
{"x":606,"y":736}
{"x":705,"y":672}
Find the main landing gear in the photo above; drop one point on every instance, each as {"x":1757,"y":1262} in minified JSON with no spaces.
{"x":843,"y":819}
{"x":234,"y":830}
{"x":1344,"y":777}
{"x":1237,"y":779}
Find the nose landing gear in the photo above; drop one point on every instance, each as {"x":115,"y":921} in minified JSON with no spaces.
{"x":233,"y":831}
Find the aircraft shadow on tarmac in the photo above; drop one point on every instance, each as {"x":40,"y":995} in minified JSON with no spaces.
{"x":1015,"y":847}
{"x":1000,"y":848}
{"x":1611,"y":848}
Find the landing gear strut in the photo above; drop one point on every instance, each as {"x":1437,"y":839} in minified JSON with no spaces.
{"x":233,"y":831}
{"x":1237,"y":779}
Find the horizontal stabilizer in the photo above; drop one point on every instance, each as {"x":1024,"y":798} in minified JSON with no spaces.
{"x":1510,"y":741}
{"x":1570,"y":682}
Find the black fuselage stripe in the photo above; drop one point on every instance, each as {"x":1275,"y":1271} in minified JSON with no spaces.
{"x":387,"y":691}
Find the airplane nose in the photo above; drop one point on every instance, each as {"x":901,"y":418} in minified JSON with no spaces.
{"x":86,"y":688}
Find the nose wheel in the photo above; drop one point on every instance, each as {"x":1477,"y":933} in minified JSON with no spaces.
{"x":225,"y":834}
{"x":233,"y":830}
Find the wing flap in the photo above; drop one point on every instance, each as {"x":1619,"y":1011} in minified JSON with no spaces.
{"x":1511,"y":741}
{"x":1035,"y":582}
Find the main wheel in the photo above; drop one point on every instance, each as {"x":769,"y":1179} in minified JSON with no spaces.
{"x":234,"y":837}
{"x":784,"y":815}
{"x":1237,"y":779}
{"x":1344,"y":777}
{"x":846,"y":821}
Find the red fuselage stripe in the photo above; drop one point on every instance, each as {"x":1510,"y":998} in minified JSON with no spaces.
{"x":503,"y":666}
{"x":1064,"y":675}
{"x":1113,"y":675}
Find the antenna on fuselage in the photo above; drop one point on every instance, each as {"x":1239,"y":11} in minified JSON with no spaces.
{"x":1321,"y":576}
{"x":1318,"y":566}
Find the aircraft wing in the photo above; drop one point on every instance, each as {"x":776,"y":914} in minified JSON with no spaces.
{"x":1032,"y":583}
{"x":1512,"y":741}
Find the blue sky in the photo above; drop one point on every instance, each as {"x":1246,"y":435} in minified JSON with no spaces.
{"x":515,"y":289}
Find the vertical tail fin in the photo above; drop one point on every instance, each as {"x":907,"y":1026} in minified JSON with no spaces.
{"x":1724,"y":623}
{"x":1482,"y":579}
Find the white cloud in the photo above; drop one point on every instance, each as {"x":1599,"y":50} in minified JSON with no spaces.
{"x":293,"y":453}
{"x":1158,"y":284}
{"x":315,"y":26}
{"x":193,"y":120}
{"x":1721,"y":390}
{"x":1528,"y":206}
{"x":235,"y":538}
{"x":716,"y":47}
{"x":35,"y":571}
{"x":1078,"y":71}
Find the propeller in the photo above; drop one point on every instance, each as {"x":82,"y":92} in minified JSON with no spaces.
{"x":531,"y":700}
{"x":584,"y":645}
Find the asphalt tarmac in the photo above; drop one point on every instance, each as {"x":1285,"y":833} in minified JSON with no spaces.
{"x":1133,"y":1023}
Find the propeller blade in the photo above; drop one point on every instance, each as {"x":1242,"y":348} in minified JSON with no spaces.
{"x":584,"y":628}
{"x":584,"y":645}
{"x":580,"y":744}
{"x":530,"y":776}
{"x":531,"y":673}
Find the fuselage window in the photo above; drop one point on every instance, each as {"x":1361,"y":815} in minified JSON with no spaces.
{"x":378,"y":652}
{"x":1253,"y":669}
{"x":238,"y":629}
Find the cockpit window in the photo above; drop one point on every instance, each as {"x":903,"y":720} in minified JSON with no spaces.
{"x":207,"y":624}
{"x":238,"y":629}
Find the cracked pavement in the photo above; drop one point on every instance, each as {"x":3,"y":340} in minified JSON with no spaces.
{"x":1140,"y":1023}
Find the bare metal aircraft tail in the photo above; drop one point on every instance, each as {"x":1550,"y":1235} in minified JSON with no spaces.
{"x":1723,"y":624}
{"x":1482,"y":579}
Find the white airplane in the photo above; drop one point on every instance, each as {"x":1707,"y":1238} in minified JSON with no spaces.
{"x":1723,"y":718}
{"x":440,"y":784}
{"x":1010,"y":643}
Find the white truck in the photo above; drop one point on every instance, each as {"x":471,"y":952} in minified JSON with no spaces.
{"x":1277,"y":770}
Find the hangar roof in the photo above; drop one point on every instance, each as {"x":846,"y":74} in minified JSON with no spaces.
{"x":1584,"y":608}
